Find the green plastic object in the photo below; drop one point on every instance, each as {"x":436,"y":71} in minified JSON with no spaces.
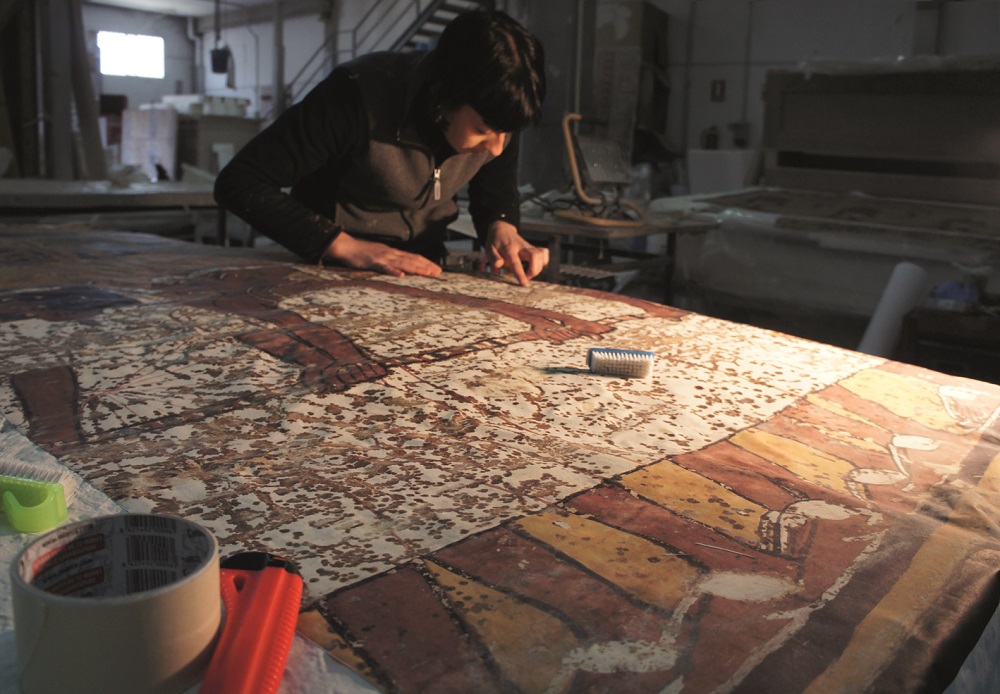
{"x":32,"y":506}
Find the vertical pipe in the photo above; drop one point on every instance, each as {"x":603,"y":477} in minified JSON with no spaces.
{"x":58,"y":88}
{"x":279,"y":59}
{"x":256,"y":68}
{"x":198,"y":69}
{"x":688,"y":53}
{"x":578,"y":68}
{"x":40,"y":61}
{"x":747,"y":56}
{"x":939,"y":34}
{"x":93,"y":164}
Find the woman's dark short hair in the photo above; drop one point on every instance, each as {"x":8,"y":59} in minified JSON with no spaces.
{"x":485,"y":59}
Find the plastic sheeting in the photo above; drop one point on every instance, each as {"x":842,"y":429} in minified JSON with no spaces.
{"x":760,"y":257}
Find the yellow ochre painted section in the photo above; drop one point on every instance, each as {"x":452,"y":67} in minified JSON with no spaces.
{"x":896,"y":616}
{"x":314,"y":626}
{"x":693,"y":496}
{"x":526,"y":642}
{"x":904,"y":396}
{"x":799,"y":458}
{"x":838,"y":409}
{"x":636,"y":565}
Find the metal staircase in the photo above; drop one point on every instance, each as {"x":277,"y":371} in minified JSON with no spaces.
{"x":427,"y":28}
{"x":388,"y":25}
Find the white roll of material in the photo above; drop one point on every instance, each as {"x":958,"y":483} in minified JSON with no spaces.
{"x":125,"y":603}
{"x":903,"y":291}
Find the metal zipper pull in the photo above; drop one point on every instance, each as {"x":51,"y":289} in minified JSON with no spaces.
{"x":437,"y":184}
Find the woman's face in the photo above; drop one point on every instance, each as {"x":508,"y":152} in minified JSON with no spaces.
{"x":468,"y":134}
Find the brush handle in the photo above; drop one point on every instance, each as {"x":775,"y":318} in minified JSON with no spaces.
{"x":262,"y":595}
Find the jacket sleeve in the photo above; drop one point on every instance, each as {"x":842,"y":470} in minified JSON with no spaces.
{"x":493,"y":191}
{"x":323,"y":127}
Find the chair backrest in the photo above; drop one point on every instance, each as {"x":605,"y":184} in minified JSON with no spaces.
{"x":601,"y":161}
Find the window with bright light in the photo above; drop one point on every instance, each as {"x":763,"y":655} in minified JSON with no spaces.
{"x":131,"y":55}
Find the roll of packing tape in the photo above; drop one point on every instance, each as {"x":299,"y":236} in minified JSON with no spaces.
{"x":126,"y":603}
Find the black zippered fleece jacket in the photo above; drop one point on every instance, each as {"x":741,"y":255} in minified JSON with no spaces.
{"x":362,"y":153}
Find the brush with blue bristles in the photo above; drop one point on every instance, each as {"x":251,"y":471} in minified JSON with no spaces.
{"x":627,"y":363}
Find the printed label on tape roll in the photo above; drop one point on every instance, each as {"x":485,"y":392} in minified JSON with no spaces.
{"x":119,"y":603}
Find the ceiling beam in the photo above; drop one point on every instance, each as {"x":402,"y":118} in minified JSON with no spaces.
{"x":261,"y":14}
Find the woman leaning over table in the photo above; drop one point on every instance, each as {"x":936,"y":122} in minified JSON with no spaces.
{"x":375,"y":155}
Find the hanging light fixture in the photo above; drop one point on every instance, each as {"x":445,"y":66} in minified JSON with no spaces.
{"x":220,"y":54}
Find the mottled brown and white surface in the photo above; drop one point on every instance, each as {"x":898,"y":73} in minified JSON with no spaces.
{"x":472,"y":510}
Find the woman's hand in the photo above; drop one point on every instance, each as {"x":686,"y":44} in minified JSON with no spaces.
{"x":508,"y":249}
{"x":370,"y":255}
